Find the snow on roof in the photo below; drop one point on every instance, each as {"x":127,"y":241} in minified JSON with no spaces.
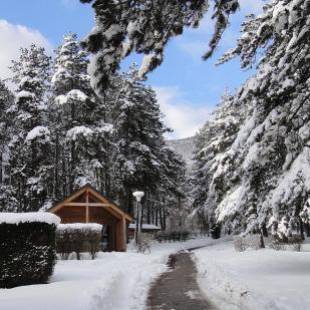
{"x":30,"y":217}
{"x":80,"y":226}
{"x":145,"y":226}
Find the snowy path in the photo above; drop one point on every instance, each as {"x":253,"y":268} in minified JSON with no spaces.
{"x":177,"y":288}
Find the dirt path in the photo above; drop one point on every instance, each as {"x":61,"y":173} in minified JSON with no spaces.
{"x":177,"y":289}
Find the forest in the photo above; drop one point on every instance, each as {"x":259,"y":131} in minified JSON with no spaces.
{"x":66,"y":126}
{"x":58,"y":135}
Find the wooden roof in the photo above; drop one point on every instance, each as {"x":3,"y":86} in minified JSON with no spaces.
{"x":101,"y":202}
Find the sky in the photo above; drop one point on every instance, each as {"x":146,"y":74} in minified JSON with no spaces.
{"x":188,"y":88}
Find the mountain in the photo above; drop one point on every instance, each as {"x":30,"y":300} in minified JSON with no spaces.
{"x":185,"y":147}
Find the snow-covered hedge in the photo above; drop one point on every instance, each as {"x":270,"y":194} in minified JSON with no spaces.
{"x":29,"y":217}
{"x":27,"y":243}
{"x":78,"y":237}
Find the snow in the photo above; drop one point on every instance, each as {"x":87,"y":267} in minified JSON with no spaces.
{"x":78,"y":131}
{"x":76,"y":94}
{"x":145,"y":226}
{"x":263,"y":279}
{"x":38,"y":132}
{"x":80,"y":226}
{"x":17,"y":218}
{"x":24,"y":94}
{"x":72,"y":95}
{"x":146,"y":63}
{"x":113,"y":281}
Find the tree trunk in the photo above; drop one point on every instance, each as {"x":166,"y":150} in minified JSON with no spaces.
{"x":1,"y":166}
{"x":307,"y":227}
{"x":301,"y":225}
{"x":262,"y":243}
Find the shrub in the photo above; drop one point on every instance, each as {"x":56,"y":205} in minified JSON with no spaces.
{"x":27,"y":243}
{"x":78,"y":238}
{"x":294,"y":241}
{"x":145,"y":243}
{"x":276,"y":245}
{"x":241,"y":243}
{"x":180,"y":235}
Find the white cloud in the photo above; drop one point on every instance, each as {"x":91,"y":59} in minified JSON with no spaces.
{"x":184,"y":118}
{"x":70,"y":4}
{"x":12,"y":37}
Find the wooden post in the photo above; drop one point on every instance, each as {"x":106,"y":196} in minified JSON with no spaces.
{"x":124,"y":234}
{"x":87,"y":207}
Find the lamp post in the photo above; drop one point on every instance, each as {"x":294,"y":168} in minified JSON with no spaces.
{"x":138,"y":195}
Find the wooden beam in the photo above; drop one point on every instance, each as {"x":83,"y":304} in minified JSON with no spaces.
{"x":85,"y":204}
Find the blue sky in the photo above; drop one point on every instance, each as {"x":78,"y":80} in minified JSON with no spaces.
{"x":188,"y":88}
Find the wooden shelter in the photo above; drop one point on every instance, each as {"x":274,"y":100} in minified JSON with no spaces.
{"x":88,"y":206}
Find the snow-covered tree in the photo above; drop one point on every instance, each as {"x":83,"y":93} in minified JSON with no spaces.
{"x":137,"y":136}
{"x":7,"y":198}
{"x":271,"y":153}
{"x":145,"y":27}
{"x":78,"y":121}
{"x":29,"y":145}
{"x":213,"y":173}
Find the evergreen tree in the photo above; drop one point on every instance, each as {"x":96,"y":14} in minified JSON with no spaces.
{"x":29,"y":145}
{"x":213,"y":175}
{"x":137,"y":136}
{"x":78,"y":121}
{"x":145,"y":27}
{"x":7,"y":197}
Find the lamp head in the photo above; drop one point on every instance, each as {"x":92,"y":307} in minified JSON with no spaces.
{"x":138,"y":195}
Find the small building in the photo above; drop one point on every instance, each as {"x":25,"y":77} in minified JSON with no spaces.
{"x":146,"y":228}
{"x":88,"y":206}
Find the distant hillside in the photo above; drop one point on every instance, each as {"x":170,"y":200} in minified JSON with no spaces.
{"x":184,"y":147}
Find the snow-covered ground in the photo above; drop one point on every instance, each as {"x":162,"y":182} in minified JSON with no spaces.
{"x":256,"y":280}
{"x":114,"y":281}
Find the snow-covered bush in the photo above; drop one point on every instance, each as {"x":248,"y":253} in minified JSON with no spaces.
{"x":144,"y":244}
{"x":239,"y":244}
{"x":242,"y":243}
{"x":27,"y":243}
{"x":78,"y":238}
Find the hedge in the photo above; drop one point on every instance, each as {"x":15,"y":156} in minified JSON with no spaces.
{"x":179,"y":235}
{"x":27,"y":248}
{"x":78,"y":238}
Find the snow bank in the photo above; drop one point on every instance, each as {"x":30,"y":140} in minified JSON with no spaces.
{"x":17,"y":218}
{"x":113,"y":281}
{"x":256,"y":280}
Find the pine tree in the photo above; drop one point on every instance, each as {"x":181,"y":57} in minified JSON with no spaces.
{"x":145,"y":27}
{"x":78,"y":121}
{"x":7,"y":200}
{"x":137,"y":135}
{"x":213,"y":175}
{"x":271,"y":148}
{"x":29,"y":145}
